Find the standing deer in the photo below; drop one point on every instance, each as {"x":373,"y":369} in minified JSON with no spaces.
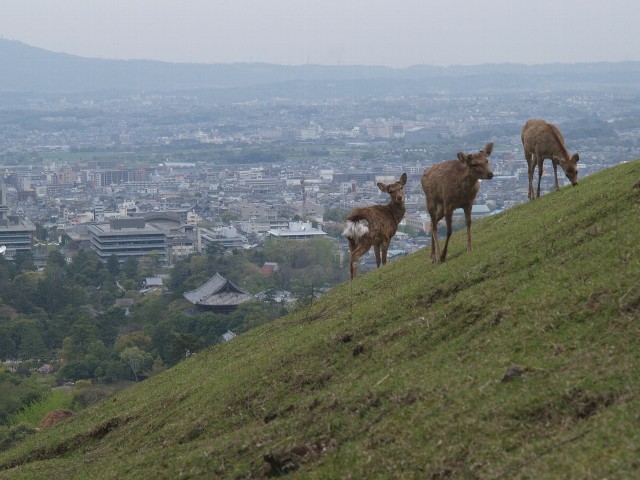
{"x":454,"y":184}
{"x":543,"y":140}
{"x":375,"y":225}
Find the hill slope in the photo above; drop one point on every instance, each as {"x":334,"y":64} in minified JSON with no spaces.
{"x":403,"y":372}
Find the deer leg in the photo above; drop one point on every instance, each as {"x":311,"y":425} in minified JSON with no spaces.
{"x":434,"y":240}
{"x":448,"y":218}
{"x":353,"y":265}
{"x":376,"y":249}
{"x":467,"y":218}
{"x":540,"y":161}
{"x":436,"y":215}
{"x":555,"y":174}
{"x":385,"y":247}
{"x":532,"y":167}
{"x":356,"y":253}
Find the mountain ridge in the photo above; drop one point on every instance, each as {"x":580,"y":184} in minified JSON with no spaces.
{"x":32,"y":69}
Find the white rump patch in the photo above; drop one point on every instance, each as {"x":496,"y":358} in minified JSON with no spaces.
{"x":356,"y":230}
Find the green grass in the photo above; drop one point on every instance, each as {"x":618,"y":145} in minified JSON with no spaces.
{"x":35,"y":412}
{"x":399,"y":374}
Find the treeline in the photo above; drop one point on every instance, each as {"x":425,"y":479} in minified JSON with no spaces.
{"x":67,"y":314}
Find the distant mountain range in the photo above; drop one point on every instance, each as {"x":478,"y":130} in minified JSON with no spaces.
{"x":29,"y":69}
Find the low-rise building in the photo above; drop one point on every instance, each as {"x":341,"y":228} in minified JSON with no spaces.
{"x":297,"y":231}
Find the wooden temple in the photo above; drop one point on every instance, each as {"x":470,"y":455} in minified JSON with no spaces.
{"x":218,"y":295}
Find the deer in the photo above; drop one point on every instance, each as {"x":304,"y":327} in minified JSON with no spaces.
{"x":541,"y":140}
{"x":450,"y":185}
{"x":375,"y":225}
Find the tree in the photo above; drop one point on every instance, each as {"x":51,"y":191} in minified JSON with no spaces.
{"x":56,"y":257}
{"x":182,"y":345}
{"x":113,"y":265}
{"x":303,"y":291}
{"x":15,"y":392}
{"x":26,"y":334}
{"x":7,"y":347}
{"x":148,"y":265}
{"x":24,"y":261}
{"x":116,"y":369}
{"x":53,"y":291}
{"x":78,"y":370}
{"x":214,"y":249}
{"x":41,"y":233}
{"x":336,"y":215}
{"x":138,"y":360}
{"x":130,"y":268}
{"x":24,"y":292}
{"x":69,"y":351}
{"x":134,"y":339}
{"x":85,"y":267}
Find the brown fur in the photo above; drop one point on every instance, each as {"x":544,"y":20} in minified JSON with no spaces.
{"x":375,"y":225}
{"x":454,"y":184}
{"x":543,"y":140}
{"x":55,"y":416}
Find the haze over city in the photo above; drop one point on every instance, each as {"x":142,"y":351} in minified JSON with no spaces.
{"x":292,"y":32}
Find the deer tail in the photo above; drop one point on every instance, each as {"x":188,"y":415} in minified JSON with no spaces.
{"x":356,"y":229}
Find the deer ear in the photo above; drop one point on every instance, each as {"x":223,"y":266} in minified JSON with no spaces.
{"x":488,"y":149}
{"x":382,"y":187}
{"x":575,"y":158}
{"x":403,"y":179}
{"x":462,"y":157}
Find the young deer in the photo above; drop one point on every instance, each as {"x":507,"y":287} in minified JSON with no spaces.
{"x":375,"y":225}
{"x":454,"y":184}
{"x":543,"y":140}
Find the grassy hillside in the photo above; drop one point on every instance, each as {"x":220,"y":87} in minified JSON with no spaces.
{"x":519,"y":360}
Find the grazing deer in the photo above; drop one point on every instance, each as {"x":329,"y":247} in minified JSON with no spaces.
{"x":454,"y":184}
{"x":375,"y":225}
{"x":543,"y":140}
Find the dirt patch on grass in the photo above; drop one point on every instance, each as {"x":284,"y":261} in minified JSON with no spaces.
{"x":630,"y":301}
{"x":435,"y":296}
{"x":482,"y":273}
{"x":574,"y":405}
{"x":597,"y":298}
{"x":286,"y":460}
{"x":584,"y":404}
{"x":306,"y":381}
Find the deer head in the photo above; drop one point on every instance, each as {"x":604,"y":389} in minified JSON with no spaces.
{"x":478,"y":163}
{"x":570,"y":167}
{"x":396,"y":190}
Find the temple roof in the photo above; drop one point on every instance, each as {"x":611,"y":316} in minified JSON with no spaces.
{"x":218,"y":291}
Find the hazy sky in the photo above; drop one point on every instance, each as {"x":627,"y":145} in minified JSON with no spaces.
{"x":395,"y":33}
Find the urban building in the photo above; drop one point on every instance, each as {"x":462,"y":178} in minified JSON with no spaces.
{"x":297,"y":231}
{"x":128,"y":237}
{"x":16,"y":234}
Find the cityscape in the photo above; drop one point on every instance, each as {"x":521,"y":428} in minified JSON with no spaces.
{"x":198,"y":173}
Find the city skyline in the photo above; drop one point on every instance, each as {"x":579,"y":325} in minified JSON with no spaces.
{"x":377,"y":32}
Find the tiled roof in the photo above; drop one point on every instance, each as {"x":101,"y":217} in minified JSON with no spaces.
{"x":218,"y":291}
